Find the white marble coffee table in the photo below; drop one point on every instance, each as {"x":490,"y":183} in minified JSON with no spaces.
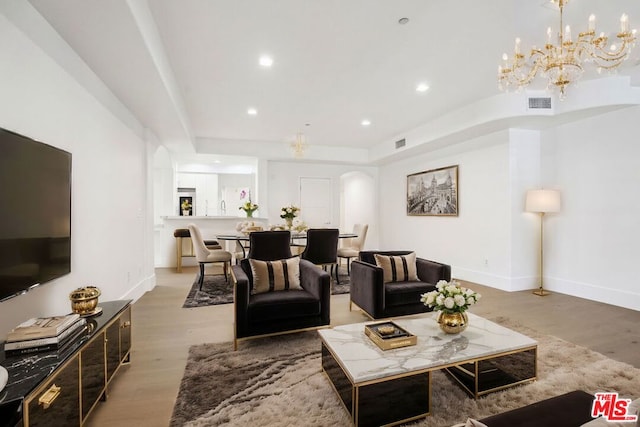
{"x":388,"y":387}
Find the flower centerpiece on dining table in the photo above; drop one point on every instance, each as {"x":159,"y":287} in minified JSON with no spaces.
{"x":298,"y":225}
{"x":249,"y":208}
{"x":288,"y":213}
{"x":451,"y":300}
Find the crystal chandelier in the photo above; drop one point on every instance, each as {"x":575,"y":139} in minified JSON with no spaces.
{"x":561,"y":63}
{"x":299,"y":146}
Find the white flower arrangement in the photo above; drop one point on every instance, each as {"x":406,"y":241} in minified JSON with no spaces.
{"x":450,"y":297}
{"x":290,"y":212}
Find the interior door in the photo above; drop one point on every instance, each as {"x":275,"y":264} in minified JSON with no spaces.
{"x":316,"y":201}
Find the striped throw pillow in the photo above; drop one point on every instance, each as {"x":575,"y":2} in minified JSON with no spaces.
{"x":398,"y":268}
{"x":279,"y":275}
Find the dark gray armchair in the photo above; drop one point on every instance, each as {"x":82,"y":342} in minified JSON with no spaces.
{"x":279,"y":311}
{"x":381,"y":300}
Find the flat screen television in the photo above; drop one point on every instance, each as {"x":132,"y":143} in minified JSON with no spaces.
{"x":35,"y":213}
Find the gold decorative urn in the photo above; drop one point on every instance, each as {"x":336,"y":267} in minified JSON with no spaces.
{"x":84,"y":301}
{"x":453,"y":323}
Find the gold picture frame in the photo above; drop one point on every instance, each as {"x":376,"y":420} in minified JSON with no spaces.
{"x":433,"y":192}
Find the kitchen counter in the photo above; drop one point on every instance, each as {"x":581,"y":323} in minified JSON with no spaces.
{"x":210,"y":226}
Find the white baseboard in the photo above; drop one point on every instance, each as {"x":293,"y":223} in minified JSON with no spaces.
{"x":504,"y":283}
{"x":617,"y":297}
{"x":145,"y":285}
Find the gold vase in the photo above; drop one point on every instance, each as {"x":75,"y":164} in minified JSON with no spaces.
{"x":289,"y":222}
{"x":453,"y":323}
{"x":84,"y":301}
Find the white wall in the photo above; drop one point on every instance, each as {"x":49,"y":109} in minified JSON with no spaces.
{"x":477,"y":233}
{"x":164,"y":189}
{"x":111,"y":238}
{"x":593,"y":245}
{"x":283,"y":189}
{"x":359,"y":203}
{"x":479,"y":243}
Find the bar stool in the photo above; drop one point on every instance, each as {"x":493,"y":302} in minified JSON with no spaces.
{"x":181,"y":233}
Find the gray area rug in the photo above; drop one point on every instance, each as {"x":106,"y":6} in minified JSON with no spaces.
{"x":277,"y":381}
{"x":216,"y":291}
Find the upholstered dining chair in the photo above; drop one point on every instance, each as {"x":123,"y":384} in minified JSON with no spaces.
{"x":183,"y":233}
{"x":207,"y":256}
{"x":240,"y":252}
{"x":354,"y":246}
{"x":322,"y":248}
{"x":269,"y":245}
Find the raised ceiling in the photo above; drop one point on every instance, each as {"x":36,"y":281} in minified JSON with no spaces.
{"x":188,"y":69}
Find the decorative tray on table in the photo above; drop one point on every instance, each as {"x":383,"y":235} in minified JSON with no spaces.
{"x":388,"y":335}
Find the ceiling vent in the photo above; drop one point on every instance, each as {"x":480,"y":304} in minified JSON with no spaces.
{"x":401,"y":143}
{"x":540,"y":103}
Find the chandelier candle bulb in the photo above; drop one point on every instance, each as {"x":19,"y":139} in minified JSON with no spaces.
{"x":624,"y":23}
{"x":567,"y":34}
{"x":592,"y":22}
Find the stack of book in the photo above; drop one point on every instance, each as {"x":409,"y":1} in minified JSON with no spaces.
{"x":44,"y":334}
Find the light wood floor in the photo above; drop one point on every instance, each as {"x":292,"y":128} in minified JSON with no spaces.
{"x":143,"y":393}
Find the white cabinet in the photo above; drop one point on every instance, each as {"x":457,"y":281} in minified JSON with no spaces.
{"x":207,"y":194}
{"x":205,"y":202}
{"x":186,"y":180}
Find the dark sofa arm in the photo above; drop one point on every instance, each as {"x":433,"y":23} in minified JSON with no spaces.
{"x":432,"y":272}
{"x":314,"y":280}
{"x":242,"y":290}
{"x":317,"y":282}
{"x":367,"y":287}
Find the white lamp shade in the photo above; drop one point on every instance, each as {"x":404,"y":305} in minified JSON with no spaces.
{"x":543,"y":201}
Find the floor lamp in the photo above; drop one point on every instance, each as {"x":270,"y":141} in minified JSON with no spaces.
{"x":542,"y":201}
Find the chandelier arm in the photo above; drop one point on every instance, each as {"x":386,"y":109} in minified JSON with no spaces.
{"x":618,"y":54}
{"x":536,"y":63}
{"x":606,"y":58}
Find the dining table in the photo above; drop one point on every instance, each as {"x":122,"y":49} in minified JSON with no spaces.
{"x":241,"y":237}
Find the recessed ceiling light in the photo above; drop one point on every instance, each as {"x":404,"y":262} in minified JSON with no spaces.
{"x":252,"y":111}
{"x":422,"y":87}
{"x":365,"y":122}
{"x":266,"y":61}
{"x":403,"y":21}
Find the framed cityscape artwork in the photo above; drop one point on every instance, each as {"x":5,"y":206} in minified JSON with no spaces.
{"x":433,"y":192}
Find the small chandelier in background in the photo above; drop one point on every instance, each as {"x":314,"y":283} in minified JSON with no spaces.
{"x":562,"y":63}
{"x":299,"y":146}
